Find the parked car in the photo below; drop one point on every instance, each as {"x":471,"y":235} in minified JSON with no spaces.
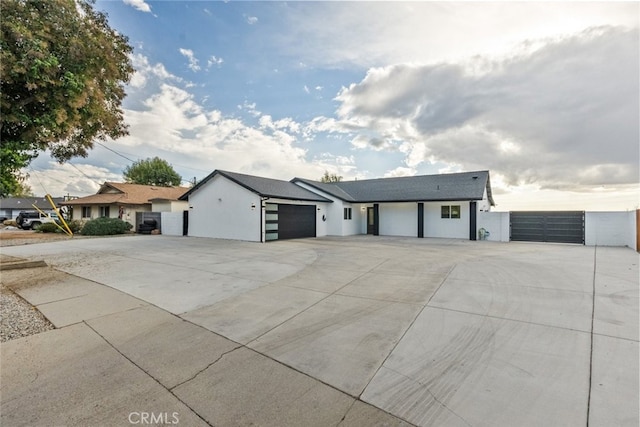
{"x":29,"y":220}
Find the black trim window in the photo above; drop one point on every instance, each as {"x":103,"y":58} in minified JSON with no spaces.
{"x":104,"y":211}
{"x":347,"y":213}
{"x":450,"y":211}
{"x":86,"y":212}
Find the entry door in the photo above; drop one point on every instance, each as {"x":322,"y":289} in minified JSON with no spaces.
{"x":372,"y":220}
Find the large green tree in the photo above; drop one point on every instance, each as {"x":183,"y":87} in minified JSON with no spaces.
{"x":63,"y":71}
{"x":154,"y":171}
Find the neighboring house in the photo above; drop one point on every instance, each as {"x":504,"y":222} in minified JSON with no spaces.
{"x":121,"y":200}
{"x":244,"y":207}
{"x":10,"y":207}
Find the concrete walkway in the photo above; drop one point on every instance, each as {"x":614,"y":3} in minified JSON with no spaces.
{"x":334,"y":331}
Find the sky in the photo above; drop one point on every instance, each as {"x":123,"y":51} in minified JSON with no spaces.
{"x":544,"y":95}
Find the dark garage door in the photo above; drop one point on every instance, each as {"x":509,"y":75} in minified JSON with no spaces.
{"x":296,"y":221}
{"x":557,"y":227}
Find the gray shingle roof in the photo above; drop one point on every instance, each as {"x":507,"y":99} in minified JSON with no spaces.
{"x":443,"y":187}
{"x":265,"y":187}
{"x":27,"y":202}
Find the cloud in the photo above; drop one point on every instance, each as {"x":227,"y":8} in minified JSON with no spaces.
{"x":76,"y":179}
{"x":382,"y":33}
{"x":213,"y":60}
{"x":251,"y":20}
{"x":562,"y":115}
{"x":193,"y":61}
{"x":172,"y":125}
{"x":140,"y":5}
{"x":144,"y":71}
{"x":400,"y":171}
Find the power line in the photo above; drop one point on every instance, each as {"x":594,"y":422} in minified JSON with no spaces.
{"x":50,"y":177}
{"x":115,"y":152}
{"x":123,"y":156}
{"x":87,"y":176}
{"x":41,"y":184}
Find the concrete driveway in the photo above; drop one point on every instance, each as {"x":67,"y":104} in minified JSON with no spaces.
{"x":333,"y":331}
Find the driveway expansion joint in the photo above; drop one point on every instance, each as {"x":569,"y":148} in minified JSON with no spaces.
{"x":148,"y":373}
{"x":205,"y":368}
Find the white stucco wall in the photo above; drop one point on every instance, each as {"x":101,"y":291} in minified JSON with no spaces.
{"x":333,"y":226}
{"x":453,"y":228}
{"x":223,"y":209}
{"x":171,"y":223}
{"x":169,"y":206}
{"x":610,"y":229}
{"x":484,"y":205}
{"x":398,"y":219}
{"x":357,"y":223}
{"x":496,"y":223}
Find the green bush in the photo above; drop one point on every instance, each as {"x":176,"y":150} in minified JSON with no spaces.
{"x":75,"y":225}
{"x":105,"y":227}
{"x":48,"y":227}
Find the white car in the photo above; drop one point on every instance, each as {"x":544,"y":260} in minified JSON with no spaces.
{"x":29,"y":220}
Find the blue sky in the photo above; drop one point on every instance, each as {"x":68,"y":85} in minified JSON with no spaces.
{"x":544,"y":95}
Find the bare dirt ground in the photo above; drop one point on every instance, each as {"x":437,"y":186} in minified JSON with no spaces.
{"x":18,"y":318}
{"x":14,"y":237}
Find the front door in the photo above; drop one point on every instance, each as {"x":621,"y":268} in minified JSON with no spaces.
{"x":372,"y":220}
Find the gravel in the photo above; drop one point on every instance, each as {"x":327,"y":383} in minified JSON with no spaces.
{"x":18,"y":318}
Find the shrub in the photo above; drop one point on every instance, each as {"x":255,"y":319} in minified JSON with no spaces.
{"x":75,"y":225}
{"x":48,"y":227}
{"x":105,"y":227}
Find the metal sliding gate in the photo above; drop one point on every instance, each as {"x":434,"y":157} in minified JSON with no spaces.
{"x":550,"y":226}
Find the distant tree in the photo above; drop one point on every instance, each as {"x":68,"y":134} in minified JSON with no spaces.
{"x":22,"y":190}
{"x":154,"y":171}
{"x":62,"y":74}
{"x":327,"y":177}
{"x":15,"y":188}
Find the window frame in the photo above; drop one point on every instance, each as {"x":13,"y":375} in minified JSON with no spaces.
{"x":450,"y":211}
{"x":348,"y":214}
{"x":85,"y":210}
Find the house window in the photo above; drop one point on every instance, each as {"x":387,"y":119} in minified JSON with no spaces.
{"x":104,"y":211}
{"x":450,"y":211}
{"x":86,"y":212}
{"x":347,"y":213}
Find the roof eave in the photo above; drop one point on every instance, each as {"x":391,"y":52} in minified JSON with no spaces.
{"x":302,"y":199}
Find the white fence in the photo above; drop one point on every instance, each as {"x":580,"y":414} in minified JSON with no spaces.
{"x":610,"y":229}
{"x":601,"y":228}
{"x":172,"y":223}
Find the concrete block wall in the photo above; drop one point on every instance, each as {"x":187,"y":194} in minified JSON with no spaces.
{"x":610,"y":229}
{"x":496,"y":223}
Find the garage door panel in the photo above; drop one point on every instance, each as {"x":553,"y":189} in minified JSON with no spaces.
{"x":296,"y":221}
{"x":555,"y":227}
